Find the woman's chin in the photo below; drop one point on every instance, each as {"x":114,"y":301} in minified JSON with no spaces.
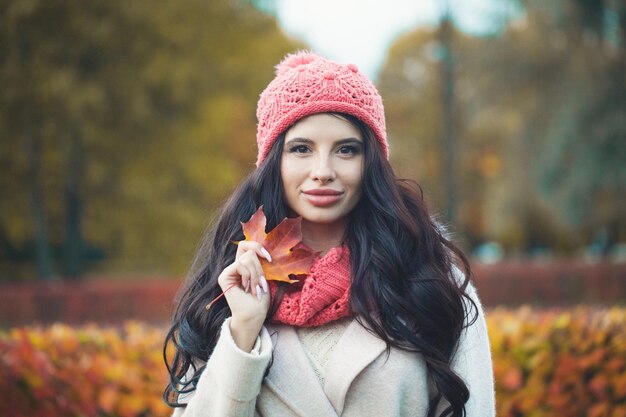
{"x":324,"y":220}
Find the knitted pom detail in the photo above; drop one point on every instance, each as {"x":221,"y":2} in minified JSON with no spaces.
{"x":353,"y":68}
{"x":295,"y":60}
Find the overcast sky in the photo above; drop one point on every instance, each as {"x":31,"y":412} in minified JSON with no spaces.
{"x":360,"y":31}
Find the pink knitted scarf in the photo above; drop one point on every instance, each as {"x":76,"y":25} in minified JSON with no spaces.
{"x":322,"y":297}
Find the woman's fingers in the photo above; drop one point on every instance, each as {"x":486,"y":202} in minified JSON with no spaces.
{"x":250,"y":251}
{"x":260,"y":275}
{"x":244,"y":273}
{"x":250,"y":245}
{"x":245,"y":287}
{"x":266,"y":254}
{"x":249,"y":275}
{"x":263,"y":282}
{"x":250,"y":270}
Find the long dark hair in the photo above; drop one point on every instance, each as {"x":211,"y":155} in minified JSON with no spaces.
{"x":408,"y":278}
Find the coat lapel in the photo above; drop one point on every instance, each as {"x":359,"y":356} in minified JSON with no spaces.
{"x":293,"y":380}
{"x":356,"y":349}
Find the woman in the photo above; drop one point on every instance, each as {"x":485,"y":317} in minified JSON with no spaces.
{"x":386,"y":323}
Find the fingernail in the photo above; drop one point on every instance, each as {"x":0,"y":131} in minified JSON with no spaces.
{"x":266,"y":254}
{"x":248,"y":286}
{"x":258,"y":293}
{"x":263,"y":282}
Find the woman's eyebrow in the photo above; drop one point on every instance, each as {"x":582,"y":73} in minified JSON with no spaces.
{"x":338,"y":142}
{"x":299,"y":139}
{"x":348,"y":140}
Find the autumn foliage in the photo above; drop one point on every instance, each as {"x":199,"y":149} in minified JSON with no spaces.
{"x":85,"y":371}
{"x":565,"y":363}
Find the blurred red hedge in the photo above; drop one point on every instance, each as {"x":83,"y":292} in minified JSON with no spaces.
{"x":115,"y":299}
{"x":565,"y":363}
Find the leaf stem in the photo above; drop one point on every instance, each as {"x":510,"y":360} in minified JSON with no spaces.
{"x":208,"y":306}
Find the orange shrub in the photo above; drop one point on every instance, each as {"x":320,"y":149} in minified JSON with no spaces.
{"x":561,"y":363}
{"x":83,"y":371}
{"x":557,"y":363}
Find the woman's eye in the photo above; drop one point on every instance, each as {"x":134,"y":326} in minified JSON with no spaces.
{"x":349,"y":150}
{"x":299,"y":149}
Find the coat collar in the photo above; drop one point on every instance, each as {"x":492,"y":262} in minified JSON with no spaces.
{"x":295,"y":382}
{"x":356,"y":349}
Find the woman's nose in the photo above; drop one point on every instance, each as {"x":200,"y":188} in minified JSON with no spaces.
{"x":322,"y":170}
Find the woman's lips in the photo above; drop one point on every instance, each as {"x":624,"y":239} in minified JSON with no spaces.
{"x":322,"y":198}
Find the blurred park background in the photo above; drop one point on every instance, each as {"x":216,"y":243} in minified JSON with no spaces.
{"x":123,"y":126}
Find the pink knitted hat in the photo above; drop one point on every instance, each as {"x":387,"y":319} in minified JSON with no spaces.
{"x":307,"y":84}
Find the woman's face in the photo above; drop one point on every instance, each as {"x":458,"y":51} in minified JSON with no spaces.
{"x":322,"y":168}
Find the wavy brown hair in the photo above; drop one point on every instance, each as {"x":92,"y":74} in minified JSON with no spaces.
{"x":408,"y":278}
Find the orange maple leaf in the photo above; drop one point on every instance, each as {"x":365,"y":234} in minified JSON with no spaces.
{"x":284,"y":243}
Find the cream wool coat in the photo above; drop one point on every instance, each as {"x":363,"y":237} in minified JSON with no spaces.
{"x":360,"y":379}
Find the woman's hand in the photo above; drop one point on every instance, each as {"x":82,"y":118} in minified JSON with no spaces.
{"x":249,"y":298}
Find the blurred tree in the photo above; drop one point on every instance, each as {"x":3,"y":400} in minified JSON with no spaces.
{"x":445,"y":39}
{"x":540,"y":124}
{"x":581,"y":173}
{"x":426,"y":118}
{"x":410,"y":84}
{"x":121,"y":126}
